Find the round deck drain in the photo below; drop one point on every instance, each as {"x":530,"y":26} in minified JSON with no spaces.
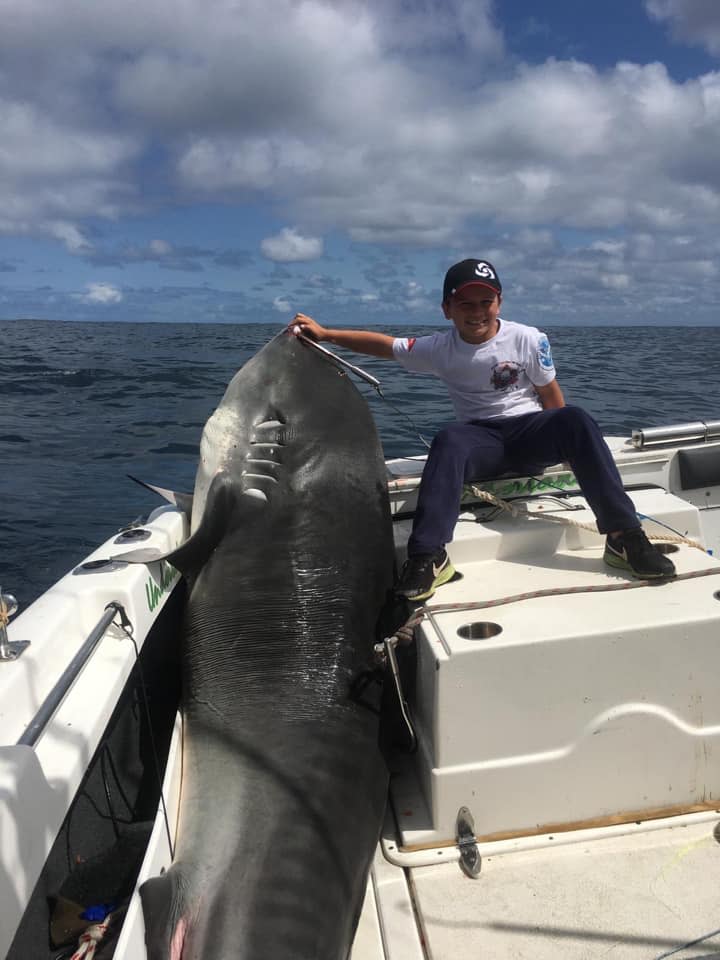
{"x":479,"y":630}
{"x":133,"y":535}
{"x":666,"y":547}
{"x":99,"y":566}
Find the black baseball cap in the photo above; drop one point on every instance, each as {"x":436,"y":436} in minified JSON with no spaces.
{"x":470,"y":272}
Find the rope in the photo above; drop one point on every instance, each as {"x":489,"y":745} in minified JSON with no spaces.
{"x":87,"y":944}
{"x":4,"y":614}
{"x":405,"y":633}
{"x":560,"y":591}
{"x":487,"y":497}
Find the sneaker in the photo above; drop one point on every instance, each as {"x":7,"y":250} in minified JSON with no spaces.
{"x":423,"y":573}
{"x":633,"y":551}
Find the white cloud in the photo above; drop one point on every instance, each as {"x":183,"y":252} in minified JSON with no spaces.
{"x":248,"y":163}
{"x":426,"y":24}
{"x":56,"y":170}
{"x":697,"y":21}
{"x":69,"y":234}
{"x":160,"y":248}
{"x":704,"y":268}
{"x":611,"y":247}
{"x":100,"y":293}
{"x":282,"y":305}
{"x":289,"y":246}
{"x":615,"y":281}
{"x":395,"y":122}
{"x":559,"y":143}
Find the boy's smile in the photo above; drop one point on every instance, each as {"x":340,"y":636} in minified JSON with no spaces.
{"x":474,"y":311}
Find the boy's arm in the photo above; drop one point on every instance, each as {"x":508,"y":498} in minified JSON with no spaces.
{"x":551,"y":396}
{"x":361,"y":341}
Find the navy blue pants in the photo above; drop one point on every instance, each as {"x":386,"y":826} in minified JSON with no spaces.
{"x":463,"y":452}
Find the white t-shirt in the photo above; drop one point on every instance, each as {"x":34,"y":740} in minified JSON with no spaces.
{"x":486,"y":380}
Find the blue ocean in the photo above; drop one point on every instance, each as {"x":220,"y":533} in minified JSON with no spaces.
{"x":84,"y":404}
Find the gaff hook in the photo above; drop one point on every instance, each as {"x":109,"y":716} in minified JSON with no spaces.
{"x":367,"y":377}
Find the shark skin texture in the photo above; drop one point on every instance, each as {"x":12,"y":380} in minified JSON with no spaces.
{"x":288,"y":566}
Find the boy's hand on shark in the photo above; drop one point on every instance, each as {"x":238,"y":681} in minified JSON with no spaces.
{"x":302,"y":324}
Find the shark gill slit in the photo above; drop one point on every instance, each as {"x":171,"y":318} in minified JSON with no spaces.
{"x":267,"y":465}
{"x":247,"y":475}
{"x":264,"y":445}
{"x":269,"y":424}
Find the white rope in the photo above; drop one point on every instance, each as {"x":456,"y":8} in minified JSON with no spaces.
{"x":90,"y":938}
{"x":405,"y":634}
{"x":513,"y":511}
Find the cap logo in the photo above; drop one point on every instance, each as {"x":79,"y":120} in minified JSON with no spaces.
{"x":485,"y":271}
{"x":468,"y":272}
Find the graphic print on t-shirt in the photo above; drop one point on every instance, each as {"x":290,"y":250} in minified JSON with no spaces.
{"x":544,"y":353}
{"x":505,"y":375}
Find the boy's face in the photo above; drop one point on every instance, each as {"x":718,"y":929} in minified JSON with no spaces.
{"x":474,"y":311}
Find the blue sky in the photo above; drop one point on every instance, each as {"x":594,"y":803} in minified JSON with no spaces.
{"x":239,"y":160}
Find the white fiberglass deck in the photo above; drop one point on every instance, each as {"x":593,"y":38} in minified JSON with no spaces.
{"x":625,"y":897}
{"x":583,"y":708}
{"x":581,"y":730}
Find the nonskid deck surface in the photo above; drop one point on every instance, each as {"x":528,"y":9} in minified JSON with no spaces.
{"x":565,"y":709}
{"x":501,"y":561}
{"x":587,"y":707}
{"x":627,"y":897}
{"x":569,"y":592}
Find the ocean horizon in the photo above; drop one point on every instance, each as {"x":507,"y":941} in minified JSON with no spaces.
{"x":82,"y":404}
{"x":408,"y":321}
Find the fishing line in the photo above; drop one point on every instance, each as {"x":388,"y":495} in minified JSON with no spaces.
{"x":413,"y":425}
{"x":660,"y":523}
{"x":118,"y":781}
{"x":126,"y":626}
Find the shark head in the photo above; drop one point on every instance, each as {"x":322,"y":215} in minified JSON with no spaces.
{"x":287,"y":412}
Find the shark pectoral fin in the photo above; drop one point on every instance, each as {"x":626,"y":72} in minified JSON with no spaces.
{"x":165,"y":925}
{"x":219,"y":507}
{"x":189,"y":557}
{"x":142,"y":555}
{"x":183,"y":501}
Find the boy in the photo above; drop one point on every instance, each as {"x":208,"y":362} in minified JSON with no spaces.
{"x":511,"y":416}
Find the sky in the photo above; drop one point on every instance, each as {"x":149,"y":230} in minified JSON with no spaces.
{"x":242,"y":160}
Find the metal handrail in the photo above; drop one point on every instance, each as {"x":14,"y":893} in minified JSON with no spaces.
{"x":56,"y":696}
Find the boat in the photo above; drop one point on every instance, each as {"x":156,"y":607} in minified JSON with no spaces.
{"x":89,"y":693}
{"x":559,"y":791}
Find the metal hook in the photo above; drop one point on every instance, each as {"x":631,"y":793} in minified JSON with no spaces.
{"x":367,"y":377}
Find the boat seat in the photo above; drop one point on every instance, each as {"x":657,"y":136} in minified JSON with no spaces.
{"x":699,"y":468}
